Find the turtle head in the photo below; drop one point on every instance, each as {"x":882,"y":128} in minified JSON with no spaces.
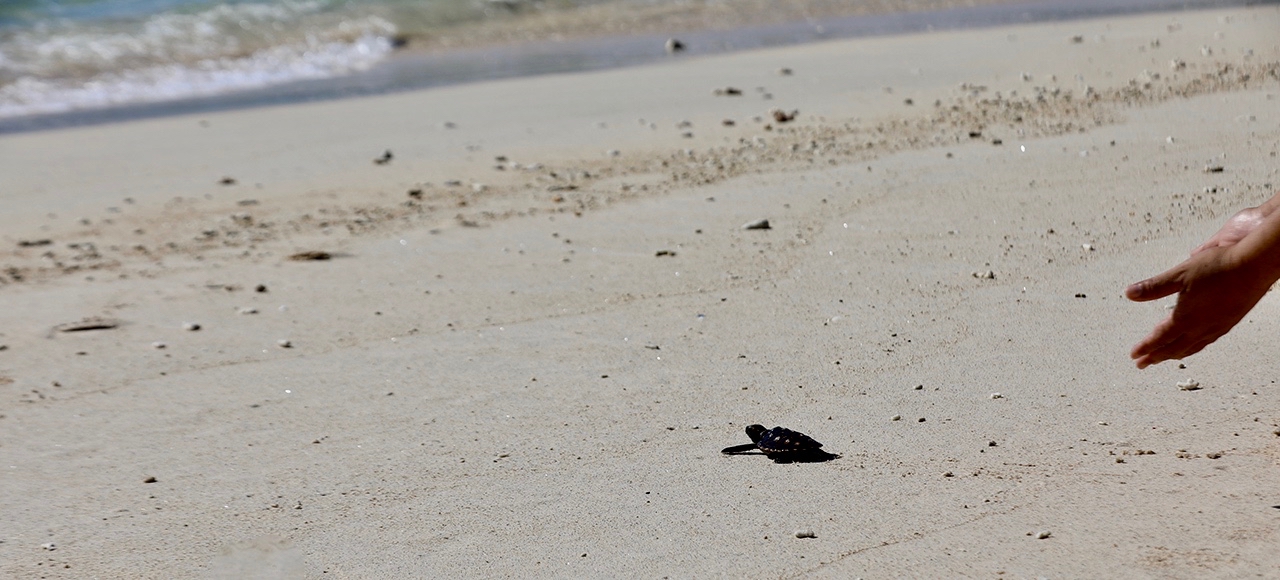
{"x":755,"y":432}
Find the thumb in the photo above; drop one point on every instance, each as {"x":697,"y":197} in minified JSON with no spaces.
{"x":1155,"y":287}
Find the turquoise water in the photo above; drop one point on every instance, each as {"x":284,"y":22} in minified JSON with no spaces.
{"x":68,"y":59}
{"x":64,"y":55}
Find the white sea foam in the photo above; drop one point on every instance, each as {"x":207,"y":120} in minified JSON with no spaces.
{"x":61,"y":66}
{"x":269,"y":67}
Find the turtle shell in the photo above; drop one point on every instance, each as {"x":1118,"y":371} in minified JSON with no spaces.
{"x":781,"y":440}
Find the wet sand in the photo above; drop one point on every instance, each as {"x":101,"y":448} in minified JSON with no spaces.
{"x":540,"y":319}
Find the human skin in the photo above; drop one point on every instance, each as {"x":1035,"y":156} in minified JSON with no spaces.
{"x":1217,"y":286}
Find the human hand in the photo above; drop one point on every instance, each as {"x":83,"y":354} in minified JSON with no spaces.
{"x":1217,"y":286}
{"x":1237,"y":227}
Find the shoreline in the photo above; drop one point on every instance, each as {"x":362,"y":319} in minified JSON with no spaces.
{"x":451,"y":62}
{"x":541,"y":319}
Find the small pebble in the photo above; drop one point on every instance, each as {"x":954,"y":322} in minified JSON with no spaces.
{"x":1087,"y":247}
{"x":805,"y":534}
{"x":896,"y":418}
{"x":50,"y":546}
{"x":997,"y":396}
{"x":282,"y":343}
{"x":192,"y":326}
{"x":1189,"y":385}
{"x":760,"y":224}
{"x":784,"y":71}
{"x":673,"y":46}
{"x":158,"y":345}
{"x":1043,"y":534}
{"x":248,"y":310}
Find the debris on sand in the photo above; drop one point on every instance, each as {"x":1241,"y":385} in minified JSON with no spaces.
{"x":87,"y":324}
{"x":311,"y":256}
{"x":760,"y":224}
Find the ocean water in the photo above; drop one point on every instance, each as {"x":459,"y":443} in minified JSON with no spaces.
{"x":72,"y":61}
{"x":63,"y":55}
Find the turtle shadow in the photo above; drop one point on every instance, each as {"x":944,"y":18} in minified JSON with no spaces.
{"x":806,"y":456}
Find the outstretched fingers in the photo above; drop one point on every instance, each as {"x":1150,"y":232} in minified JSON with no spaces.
{"x":1156,"y":287}
{"x":1180,"y":348}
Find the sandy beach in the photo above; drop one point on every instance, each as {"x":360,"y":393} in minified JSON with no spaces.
{"x":504,"y":329}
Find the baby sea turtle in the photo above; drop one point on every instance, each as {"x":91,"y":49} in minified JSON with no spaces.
{"x":782,"y":445}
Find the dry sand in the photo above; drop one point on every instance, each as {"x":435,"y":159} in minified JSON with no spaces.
{"x":504,"y":378}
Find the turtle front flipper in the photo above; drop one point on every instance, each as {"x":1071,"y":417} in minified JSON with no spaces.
{"x":736,"y":449}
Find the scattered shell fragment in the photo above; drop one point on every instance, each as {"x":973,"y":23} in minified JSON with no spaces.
{"x":385,"y":158}
{"x":805,"y":534}
{"x":191,"y":326}
{"x":781,"y":116}
{"x":760,"y":224}
{"x":1043,"y":534}
{"x":1177,"y":64}
{"x":311,"y":256}
{"x":997,"y":396}
{"x":247,"y":310}
{"x":91,"y":323}
{"x":158,"y":345}
{"x":1213,"y":169}
{"x":1189,"y":385}
{"x":50,"y":546}
{"x":283,"y":343}
{"x":988,"y":275}
{"x":1087,"y":247}
{"x":896,"y":418}
{"x":673,"y":46}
